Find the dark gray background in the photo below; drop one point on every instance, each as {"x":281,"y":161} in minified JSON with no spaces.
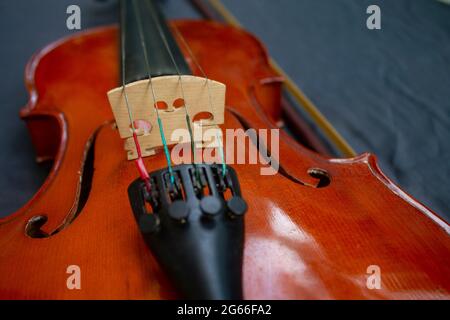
{"x":386,"y":91}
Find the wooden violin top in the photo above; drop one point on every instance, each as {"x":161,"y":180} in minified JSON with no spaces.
{"x":302,"y":240}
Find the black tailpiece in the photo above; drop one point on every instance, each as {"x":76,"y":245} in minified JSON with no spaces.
{"x":195,"y":229}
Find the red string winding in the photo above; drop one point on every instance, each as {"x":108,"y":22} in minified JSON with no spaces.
{"x":143,"y":173}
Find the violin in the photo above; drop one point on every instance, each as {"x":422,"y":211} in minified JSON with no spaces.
{"x":137,"y":205}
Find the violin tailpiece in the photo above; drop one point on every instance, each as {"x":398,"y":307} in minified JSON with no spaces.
{"x":195,"y":229}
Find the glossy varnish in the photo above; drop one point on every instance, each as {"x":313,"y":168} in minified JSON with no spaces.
{"x":301,"y":241}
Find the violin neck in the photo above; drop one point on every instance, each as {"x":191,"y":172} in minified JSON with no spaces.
{"x":157,"y":36}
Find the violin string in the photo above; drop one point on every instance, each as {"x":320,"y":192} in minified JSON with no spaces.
{"x":196,"y":62}
{"x":180,"y":82}
{"x":139,"y":161}
{"x":160,"y":124}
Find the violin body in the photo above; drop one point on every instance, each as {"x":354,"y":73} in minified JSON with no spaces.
{"x":303,"y":239}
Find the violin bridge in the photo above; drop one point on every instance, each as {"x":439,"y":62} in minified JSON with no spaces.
{"x":205,"y":100}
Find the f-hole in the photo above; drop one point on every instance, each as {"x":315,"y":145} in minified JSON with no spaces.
{"x":34,"y":224}
{"x":322,"y":175}
{"x":33,"y":227}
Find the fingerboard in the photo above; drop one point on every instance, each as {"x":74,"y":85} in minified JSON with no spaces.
{"x":155,"y":30}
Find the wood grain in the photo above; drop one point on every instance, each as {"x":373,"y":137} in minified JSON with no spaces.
{"x":301,"y":242}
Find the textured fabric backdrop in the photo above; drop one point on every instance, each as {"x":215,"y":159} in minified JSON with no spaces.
{"x":386,"y":91}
